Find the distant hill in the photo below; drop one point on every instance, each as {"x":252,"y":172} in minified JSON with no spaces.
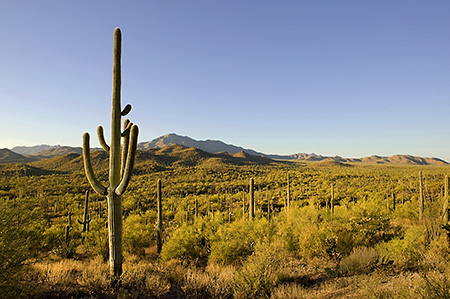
{"x":8,"y":156}
{"x":210,"y":146}
{"x":147,"y":161}
{"x":31,"y":150}
{"x":396,"y":159}
{"x":226,"y":153}
{"x":57,"y":151}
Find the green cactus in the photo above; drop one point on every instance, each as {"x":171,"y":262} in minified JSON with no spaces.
{"x":420,"y":196}
{"x":86,"y":218}
{"x":159,"y":220}
{"x":445,"y":217}
{"x":332,"y":199}
{"x":119,"y":171}
{"x":252,"y":200}
{"x":67,"y":230}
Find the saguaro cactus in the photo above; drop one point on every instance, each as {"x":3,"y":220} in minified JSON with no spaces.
{"x":86,"y":218}
{"x":252,"y":200}
{"x":445,"y":205}
{"x":420,"y":196}
{"x":332,"y":199}
{"x":121,"y":162}
{"x":159,"y":220}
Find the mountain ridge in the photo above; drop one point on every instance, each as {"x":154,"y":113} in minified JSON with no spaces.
{"x":43,"y":151}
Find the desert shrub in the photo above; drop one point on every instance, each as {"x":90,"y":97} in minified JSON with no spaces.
{"x":406,"y":251}
{"x":304,"y":233}
{"x":234,"y":242}
{"x":69,"y":278}
{"x":434,"y":285}
{"x":290,"y":291}
{"x":21,"y":228}
{"x":261,"y":272}
{"x":144,"y":279}
{"x":53,"y":237}
{"x":137,"y":234}
{"x":361,"y":260}
{"x":96,"y":240}
{"x":186,"y":243}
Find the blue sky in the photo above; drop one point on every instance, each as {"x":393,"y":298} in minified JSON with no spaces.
{"x":348,"y":78}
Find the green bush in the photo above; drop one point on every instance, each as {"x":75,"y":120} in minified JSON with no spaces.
{"x":261,"y":272}
{"x":406,"y":250}
{"x":138,"y":234}
{"x":186,"y":243}
{"x":234,"y":242}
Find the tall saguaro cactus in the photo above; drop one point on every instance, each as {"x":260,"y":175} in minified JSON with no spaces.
{"x":121,"y":162}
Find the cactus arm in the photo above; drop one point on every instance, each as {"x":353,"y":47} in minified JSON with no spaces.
{"x":126,"y":143}
{"x":126,"y":110}
{"x":101,"y":138}
{"x":96,"y":185}
{"x":127,"y":124}
{"x":130,"y":161}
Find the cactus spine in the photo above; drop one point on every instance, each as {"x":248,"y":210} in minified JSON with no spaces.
{"x":252,"y":200}
{"x":159,"y":220}
{"x":119,"y":173}
{"x":86,"y":218}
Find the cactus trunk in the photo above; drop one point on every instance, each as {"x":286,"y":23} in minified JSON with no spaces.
{"x":115,"y":233}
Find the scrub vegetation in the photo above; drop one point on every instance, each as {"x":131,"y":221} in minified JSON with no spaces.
{"x":319,"y":230}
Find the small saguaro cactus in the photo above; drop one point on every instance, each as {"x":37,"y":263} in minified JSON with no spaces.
{"x":445,"y":217}
{"x":121,"y":162}
{"x":67,"y":230}
{"x":159,"y":220}
{"x":86,"y":217}
{"x":252,"y":200}
{"x":420,"y":196}
{"x":332,"y":199}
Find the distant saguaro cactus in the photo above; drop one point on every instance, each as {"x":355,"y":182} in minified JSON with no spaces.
{"x":67,"y":230}
{"x":252,"y":200}
{"x":421,"y":200}
{"x":121,"y":162}
{"x":86,"y":217}
{"x":159,"y":220}
{"x":332,"y":199}
{"x":445,"y":217}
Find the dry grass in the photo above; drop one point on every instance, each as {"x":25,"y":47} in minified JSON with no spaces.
{"x":295,"y":279}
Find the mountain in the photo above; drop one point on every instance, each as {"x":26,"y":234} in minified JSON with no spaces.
{"x":8,"y":156}
{"x":57,"y":151}
{"x":31,"y":150}
{"x":210,"y":146}
{"x":374,"y":159}
{"x":224,"y":152}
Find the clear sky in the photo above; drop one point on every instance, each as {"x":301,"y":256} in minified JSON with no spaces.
{"x":349,"y":78}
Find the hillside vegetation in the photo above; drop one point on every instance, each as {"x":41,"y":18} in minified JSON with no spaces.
{"x":326,"y":229}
